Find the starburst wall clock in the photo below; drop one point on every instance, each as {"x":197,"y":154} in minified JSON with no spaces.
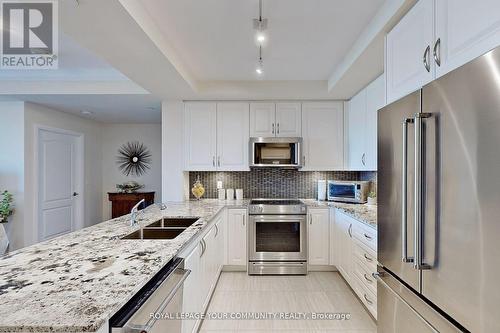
{"x":134,"y":158}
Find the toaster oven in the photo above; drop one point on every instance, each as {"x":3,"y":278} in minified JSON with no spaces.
{"x":348,"y":191}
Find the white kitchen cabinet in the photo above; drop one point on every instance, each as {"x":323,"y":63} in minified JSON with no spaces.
{"x":344,"y":240}
{"x":275,"y":119}
{"x":323,"y":135}
{"x":262,"y":119}
{"x":216,"y":136}
{"x":288,"y":119}
{"x":192,"y":292}
{"x":334,"y":246}
{"x":205,"y":262}
{"x":200,"y":140}
{"x":356,"y":257}
{"x":237,"y":237}
{"x":408,"y":49}
{"x":356,"y":128}
{"x":443,"y":33}
{"x":318,"y":236}
{"x":465,"y":30}
{"x":361,"y":126}
{"x":232,"y":136}
{"x":375,"y":100}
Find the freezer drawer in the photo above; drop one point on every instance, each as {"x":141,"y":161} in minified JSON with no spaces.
{"x":399,"y":309}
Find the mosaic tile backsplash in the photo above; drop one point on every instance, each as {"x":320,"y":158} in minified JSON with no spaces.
{"x":270,"y":183}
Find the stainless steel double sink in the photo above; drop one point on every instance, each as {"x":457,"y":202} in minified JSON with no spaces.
{"x":166,"y":228}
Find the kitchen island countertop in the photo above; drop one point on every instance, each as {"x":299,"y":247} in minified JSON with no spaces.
{"x":76,"y":282}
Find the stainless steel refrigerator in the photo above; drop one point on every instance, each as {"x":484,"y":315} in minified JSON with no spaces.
{"x":439,"y":204}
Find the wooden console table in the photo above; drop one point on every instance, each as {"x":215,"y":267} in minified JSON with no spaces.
{"x":122,"y":203}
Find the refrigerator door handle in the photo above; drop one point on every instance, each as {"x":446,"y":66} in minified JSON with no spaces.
{"x":418,"y":262}
{"x":404,"y":199}
{"x":379,"y":277}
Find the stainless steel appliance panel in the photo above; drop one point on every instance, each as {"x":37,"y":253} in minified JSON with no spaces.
{"x":287,"y":245}
{"x":462,"y":198}
{"x":162,"y":296}
{"x":275,"y":152}
{"x":277,"y":268}
{"x":396,"y":201}
{"x":399,"y":309}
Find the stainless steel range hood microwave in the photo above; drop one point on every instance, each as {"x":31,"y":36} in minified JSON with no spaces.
{"x":276,"y":153}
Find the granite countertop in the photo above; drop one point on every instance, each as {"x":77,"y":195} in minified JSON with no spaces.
{"x":76,"y":282}
{"x":364,"y":213}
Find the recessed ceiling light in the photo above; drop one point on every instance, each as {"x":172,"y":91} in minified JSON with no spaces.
{"x":86,"y":112}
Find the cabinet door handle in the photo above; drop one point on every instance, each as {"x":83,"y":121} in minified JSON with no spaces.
{"x":310,"y":219}
{"x":278,"y":128}
{"x":368,"y":237}
{"x":216,"y":230}
{"x":363,"y":159}
{"x":203,"y":247}
{"x":349,"y":231}
{"x":218,"y":160}
{"x":426,"y":60}
{"x":368,"y":258}
{"x":244,"y":217}
{"x":213,"y":160}
{"x":273,"y":128}
{"x":437,"y":54}
{"x":367,"y":299}
{"x":367,"y":278}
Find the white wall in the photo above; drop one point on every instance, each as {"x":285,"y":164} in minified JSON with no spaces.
{"x":92,"y":130}
{"x":174,"y":179}
{"x":12,"y":166}
{"x":113,"y":137}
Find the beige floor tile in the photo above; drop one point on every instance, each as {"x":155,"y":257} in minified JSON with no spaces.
{"x":324,"y":292}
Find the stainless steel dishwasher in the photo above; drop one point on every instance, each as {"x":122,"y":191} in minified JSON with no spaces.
{"x":154,"y":307}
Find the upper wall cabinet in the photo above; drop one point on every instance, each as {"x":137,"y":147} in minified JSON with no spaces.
{"x":323,"y":135}
{"x":361,"y":123}
{"x":262,"y":119}
{"x":465,"y":30}
{"x":408,"y":51}
{"x":216,"y":136}
{"x":435,"y":37}
{"x":288,"y":119}
{"x":232,"y":136}
{"x":200,"y":141}
{"x":270,"y":119}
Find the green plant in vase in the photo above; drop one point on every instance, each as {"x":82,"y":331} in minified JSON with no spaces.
{"x":372,"y":198}
{"x":6,"y":208}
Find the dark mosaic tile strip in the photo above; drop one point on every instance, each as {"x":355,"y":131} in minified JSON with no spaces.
{"x":270,"y":183}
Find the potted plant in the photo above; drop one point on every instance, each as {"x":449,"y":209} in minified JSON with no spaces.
{"x":372,"y":198}
{"x":6,"y":208}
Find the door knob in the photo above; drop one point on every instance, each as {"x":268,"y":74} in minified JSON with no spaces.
{"x":75,"y":194}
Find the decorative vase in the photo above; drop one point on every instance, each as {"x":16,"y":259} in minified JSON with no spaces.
{"x":198,"y":190}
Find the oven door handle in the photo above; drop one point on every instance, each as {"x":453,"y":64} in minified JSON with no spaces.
{"x":278,"y":218}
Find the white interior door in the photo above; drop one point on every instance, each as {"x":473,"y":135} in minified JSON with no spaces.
{"x":58,"y":192}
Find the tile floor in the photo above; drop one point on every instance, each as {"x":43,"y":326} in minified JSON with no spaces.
{"x":317,"y":292}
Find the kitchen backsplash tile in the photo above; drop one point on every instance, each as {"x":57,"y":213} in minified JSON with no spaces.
{"x":269,"y":183}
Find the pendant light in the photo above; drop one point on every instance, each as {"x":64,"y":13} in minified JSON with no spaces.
{"x":260,"y":25}
{"x":260,"y":64}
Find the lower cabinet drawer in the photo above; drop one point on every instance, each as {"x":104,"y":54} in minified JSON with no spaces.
{"x":365,"y":254}
{"x":366,"y":296}
{"x":365,"y":276}
{"x":365,"y":234}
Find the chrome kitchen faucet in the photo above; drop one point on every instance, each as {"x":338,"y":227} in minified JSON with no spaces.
{"x":133,"y":213}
